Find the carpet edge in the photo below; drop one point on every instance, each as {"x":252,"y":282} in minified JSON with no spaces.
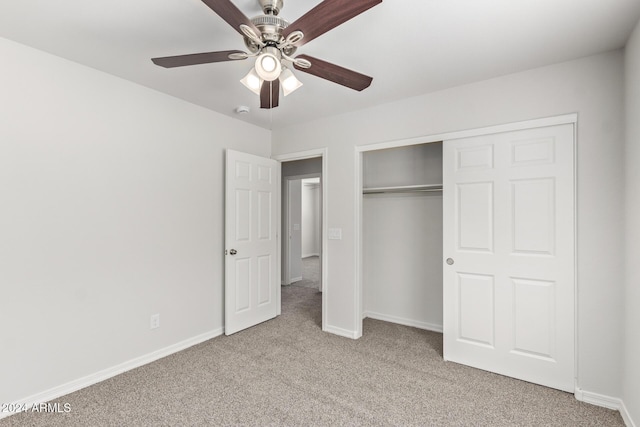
{"x":91,"y":379}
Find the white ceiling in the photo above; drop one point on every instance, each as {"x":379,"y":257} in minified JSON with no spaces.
{"x":409,"y":47}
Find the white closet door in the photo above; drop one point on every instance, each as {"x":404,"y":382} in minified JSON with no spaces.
{"x":509,"y":285}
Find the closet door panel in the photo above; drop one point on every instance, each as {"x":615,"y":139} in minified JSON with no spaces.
{"x":476,"y":300}
{"x":474,"y":210}
{"x":534,"y":304}
{"x":533,"y":216}
{"x":509,"y":214}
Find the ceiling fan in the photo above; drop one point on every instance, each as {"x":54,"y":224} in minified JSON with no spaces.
{"x":272,"y":41}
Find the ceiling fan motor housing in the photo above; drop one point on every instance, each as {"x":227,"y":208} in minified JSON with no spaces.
{"x":271,"y":7}
{"x":271,"y":27}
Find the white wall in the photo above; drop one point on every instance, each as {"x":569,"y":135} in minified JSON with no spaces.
{"x":302,"y":167}
{"x":311,"y":238}
{"x":592,"y":87}
{"x":402,"y":237}
{"x":631,"y":377}
{"x":295,"y":230}
{"x":112,"y":210}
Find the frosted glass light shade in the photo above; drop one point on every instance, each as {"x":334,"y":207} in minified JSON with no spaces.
{"x":268,"y":66}
{"x":252,"y":81}
{"x":289,"y":82}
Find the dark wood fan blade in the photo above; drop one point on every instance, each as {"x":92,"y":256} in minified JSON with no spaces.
{"x":265,"y":95}
{"x":270,"y":94}
{"x":230,"y":13}
{"x":195,"y":59}
{"x":335,"y":73}
{"x":326,"y":16}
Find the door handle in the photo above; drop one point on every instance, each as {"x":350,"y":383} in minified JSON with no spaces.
{"x":233,"y":252}
{"x":450,"y":261}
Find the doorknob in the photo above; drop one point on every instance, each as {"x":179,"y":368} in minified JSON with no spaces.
{"x":450,"y":261}
{"x":233,"y":252}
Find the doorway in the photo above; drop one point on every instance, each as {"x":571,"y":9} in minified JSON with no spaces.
{"x":311,"y":233}
{"x":402,"y":235}
{"x":303,"y":246}
{"x":302,"y":230}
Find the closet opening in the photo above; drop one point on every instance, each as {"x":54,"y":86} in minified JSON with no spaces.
{"x":401,"y":235}
{"x":301,"y":228}
{"x":485,"y":261}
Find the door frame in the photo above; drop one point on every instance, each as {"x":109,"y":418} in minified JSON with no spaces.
{"x":527,"y":124}
{"x":323,"y":153}
{"x":286,"y":223}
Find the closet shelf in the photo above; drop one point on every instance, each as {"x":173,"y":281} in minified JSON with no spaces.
{"x":403,"y":189}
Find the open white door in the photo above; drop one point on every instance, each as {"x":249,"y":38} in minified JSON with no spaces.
{"x":251,"y":244}
{"x":509,"y":285}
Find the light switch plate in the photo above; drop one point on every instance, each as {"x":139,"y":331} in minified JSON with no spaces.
{"x":335,"y":234}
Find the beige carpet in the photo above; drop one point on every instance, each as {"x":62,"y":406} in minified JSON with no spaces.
{"x":288,"y":372}
{"x":310,"y":273}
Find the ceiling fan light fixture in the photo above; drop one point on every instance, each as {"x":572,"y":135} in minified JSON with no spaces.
{"x":268,"y":64}
{"x":289,"y":82}
{"x":272,"y":41}
{"x":252,"y":81}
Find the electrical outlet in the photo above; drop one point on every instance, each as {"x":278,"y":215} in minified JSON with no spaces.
{"x":154,"y":322}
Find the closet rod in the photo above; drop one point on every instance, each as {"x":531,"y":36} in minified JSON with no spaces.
{"x":403,"y":189}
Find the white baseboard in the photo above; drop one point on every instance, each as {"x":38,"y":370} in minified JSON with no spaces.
{"x":597,"y":399}
{"x":402,"y":321}
{"x":296,"y":279}
{"x":606,"y":402}
{"x":341,"y":332}
{"x":626,"y":416}
{"x":310,"y":255}
{"x":80,"y":383}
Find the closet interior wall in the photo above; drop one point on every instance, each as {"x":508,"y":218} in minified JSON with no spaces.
{"x":402,"y":237}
